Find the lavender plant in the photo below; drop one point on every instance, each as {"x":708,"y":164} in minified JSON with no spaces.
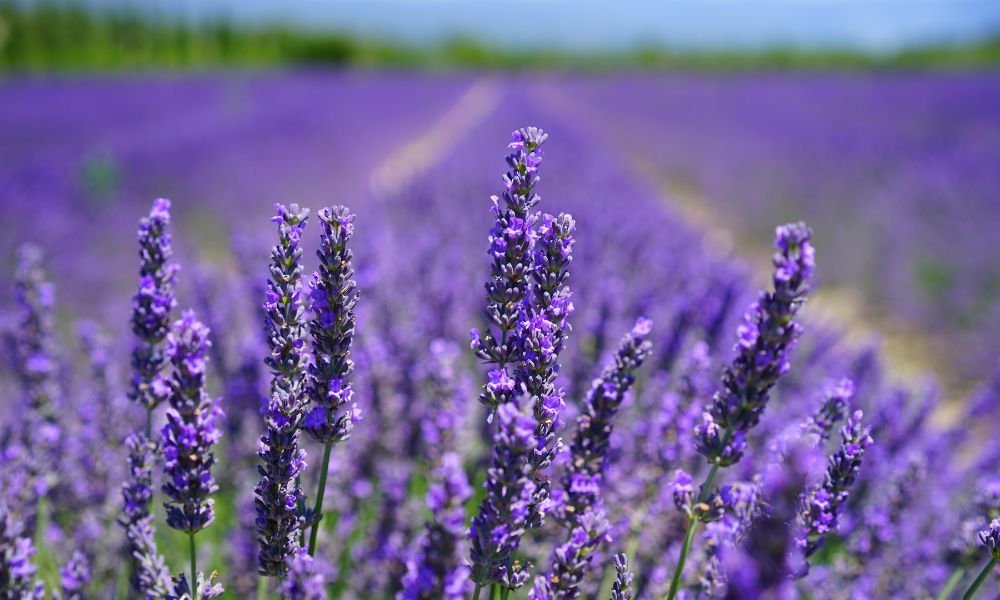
{"x":17,"y":573}
{"x":278,"y":494}
{"x":622,"y":588}
{"x":765,"y":340}
{"x":189,"y":435}
{"x":334,"y":296}
{"x":149,"y":576}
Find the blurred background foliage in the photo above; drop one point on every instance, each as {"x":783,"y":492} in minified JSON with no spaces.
{"x":66,"y":36}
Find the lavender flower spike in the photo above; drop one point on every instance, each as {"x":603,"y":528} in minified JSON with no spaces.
{"x":285,"y":326}
{"x":820,"y":506}
{"x":150,"y":578}
{"x":151,"y":307}
{"x":766,"y":338}
{"x":435,"y":571}
{"x":589,"y":450}
{"x":305,"y":581}
{"x":74,"y":577}
{"x":511,"y":241}
{"x":622,"y":587}
{"x":191,"y":430}
{"x":572,"y":559}
{"x":16,"y":571}
{"x":497,"y":529}
{"x":990,"y":537}
{"x":278,"y":494}
{"x":334,"y":295}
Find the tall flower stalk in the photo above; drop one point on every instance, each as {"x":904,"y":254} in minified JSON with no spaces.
{"x":189,"y":435}
{"x":765,"y":340}
{"x":578,"y":505}
{"x":149,"y":578}
{"x":334,"y":295}
{"x":151,"y":307}
{"x":278,"y":495}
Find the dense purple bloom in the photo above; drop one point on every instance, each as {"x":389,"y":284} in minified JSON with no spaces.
{"x":820,"y":425}
{"x":283,"y":305}
{"x":765,"y":339}
{"x":151,"y":306}
{"x":435,"y":571}
{"x":149,"y":578}
{"x":191,"y":430}
{"x":821,"y":505}
{"x":74,"y":577}
{"x":571,"y":559}
{"x":590,"y":446}
{"x":17,"y":573}
{"x":502,"y":519}
{"x":621,"y":589}
{"x":278,"y":495}
{"x":304,"y":580}
{"x":512,"y":239}
{"x":333,"y":295}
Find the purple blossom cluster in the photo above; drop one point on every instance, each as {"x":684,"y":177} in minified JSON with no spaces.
{"x":632,"y":479}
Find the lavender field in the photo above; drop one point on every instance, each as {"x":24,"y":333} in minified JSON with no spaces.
{"x":391,"y":385}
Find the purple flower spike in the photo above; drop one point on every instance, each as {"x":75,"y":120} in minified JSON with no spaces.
{"x":436,"y":572}
{"x":765,"y":340}
{"x":990,"y":537}
{"x":502,"y":520}
{"x":17,"y":573}
{"x":333,"y":297}
{"x":149,"y":572}
{"x":151,"y":306}
{"x":191,"y":430}
{"x":621,"y":589}
{"x":512,"y":240}
{"x":571,"y":560}
{"x":305,"y":580}
{"x":74,"y":577}
{"x":821,"y":505}
{"x":278,"y":495}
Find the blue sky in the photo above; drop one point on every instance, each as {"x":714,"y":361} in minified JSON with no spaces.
{"x":591,"y":24}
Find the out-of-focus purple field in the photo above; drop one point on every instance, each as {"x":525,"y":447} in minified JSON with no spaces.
{"x":895,"y":174}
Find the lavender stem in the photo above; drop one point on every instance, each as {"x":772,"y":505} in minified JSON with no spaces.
{"x":319,"y":496}
{"x":949,"y":586}
{"x":692,"y":525}
{"x":194,"y":567}
{"x":971,"y":592}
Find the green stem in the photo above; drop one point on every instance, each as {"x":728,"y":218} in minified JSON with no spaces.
{"x":149,"y":423}
{"x":971,"y":592}
{"x":949,"y":587}
{"x":504,"y":593}
{"x":675,"y":583}
{"x":494,"y":592}
{"x":194,"y":568}
{"x":261,"y":587}
{"x":476,"y":592}
{"x":318,"y":511}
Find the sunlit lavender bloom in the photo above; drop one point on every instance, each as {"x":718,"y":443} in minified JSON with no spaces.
{"x":278,"y":495}
{"x":621,"y":589}
{"x":191,"y":430}
{"x":151,"y":306}
{"x":589,"y":449}
{"x":512,"y":239}
{"x":436,"y":572}
{"x":765,"y":340}
{"x":149,"y":578}
{"x":285,"y":325}
{"x":74,"y":577}
{"x":571,"y":559}
{"x":17,"y":573}
{"x":821,"y":505}
{"x":497,"y":529}
{"x":304,"y":580}
{"x":333,"y":295}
